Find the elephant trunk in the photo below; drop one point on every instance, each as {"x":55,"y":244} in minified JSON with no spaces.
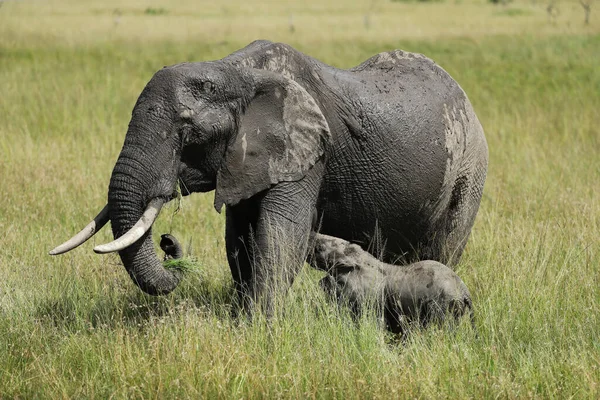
{"x":132,"y":188}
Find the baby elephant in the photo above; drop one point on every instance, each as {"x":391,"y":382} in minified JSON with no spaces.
{"x":422,"y":292}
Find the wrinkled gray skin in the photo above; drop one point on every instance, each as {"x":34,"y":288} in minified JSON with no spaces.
{"x":171,"y":246}
{"x":390,"y":149}
{"x":422,"y":292}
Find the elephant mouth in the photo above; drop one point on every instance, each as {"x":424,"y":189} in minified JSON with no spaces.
{"x":137,"y":230}
{"x":198,"y":186}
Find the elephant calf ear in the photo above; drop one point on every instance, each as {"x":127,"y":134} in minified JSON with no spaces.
{"x":281,"y":135}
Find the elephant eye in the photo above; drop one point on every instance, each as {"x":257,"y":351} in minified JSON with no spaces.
{"x":208,"y":87}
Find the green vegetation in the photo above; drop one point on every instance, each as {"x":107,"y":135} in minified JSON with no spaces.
{"x":155,"y":11}
{"x":513,"y":12}
{"x":183,"y":264}
{"x":76,"y":326}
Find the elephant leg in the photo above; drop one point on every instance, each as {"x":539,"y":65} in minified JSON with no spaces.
{"x":239,"y":225}
{"x":286,"y":216}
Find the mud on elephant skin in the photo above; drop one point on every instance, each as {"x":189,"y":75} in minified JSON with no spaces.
{"x":422,"y":292}
{"x":391,"y":147}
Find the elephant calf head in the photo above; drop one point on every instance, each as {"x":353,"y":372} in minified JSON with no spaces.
{"x":423,"y":292}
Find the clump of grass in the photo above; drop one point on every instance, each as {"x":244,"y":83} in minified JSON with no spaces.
{"x":513,"y":12}
{"x":155,"y":11}
{"x":185,"y":265}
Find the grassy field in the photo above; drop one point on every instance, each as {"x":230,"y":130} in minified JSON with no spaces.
{"x":75,"y":325}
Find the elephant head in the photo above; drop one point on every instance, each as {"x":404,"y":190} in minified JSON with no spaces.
{"x":206,"y":126}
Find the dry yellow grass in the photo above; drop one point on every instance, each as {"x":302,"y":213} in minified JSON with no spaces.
{"x":77,"y":22}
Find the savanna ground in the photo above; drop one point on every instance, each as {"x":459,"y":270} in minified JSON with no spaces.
{"x":76,"y":326}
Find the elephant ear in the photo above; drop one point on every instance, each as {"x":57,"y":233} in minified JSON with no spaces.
{"x":281,"y":135}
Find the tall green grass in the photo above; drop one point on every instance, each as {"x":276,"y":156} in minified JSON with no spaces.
{"x":75,"y":325}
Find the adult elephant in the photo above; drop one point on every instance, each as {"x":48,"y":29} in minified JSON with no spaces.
{"x":390,"y":149}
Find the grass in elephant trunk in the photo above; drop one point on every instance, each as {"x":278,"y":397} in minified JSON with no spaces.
{"x":75,"y":325}
{"x":186,"y":265}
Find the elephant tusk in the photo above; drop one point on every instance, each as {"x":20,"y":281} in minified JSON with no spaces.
{"x":136,"y":232}
{"x":90,"y":230}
